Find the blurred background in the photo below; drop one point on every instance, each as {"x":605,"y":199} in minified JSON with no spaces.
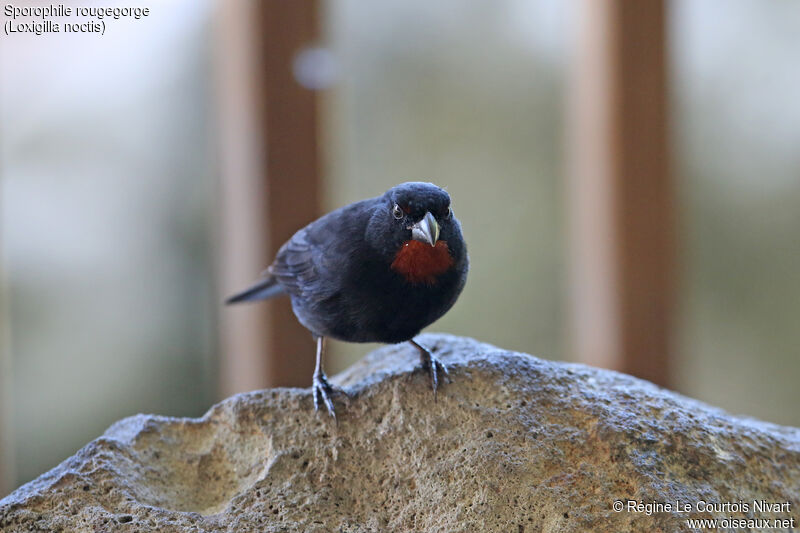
{"x":627,"y":175}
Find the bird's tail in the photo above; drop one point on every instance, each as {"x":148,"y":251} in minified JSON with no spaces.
{"x":264,"y":289}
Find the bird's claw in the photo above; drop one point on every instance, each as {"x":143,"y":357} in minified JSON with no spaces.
{"x":434,"y":368}
{"x":322,"y":393}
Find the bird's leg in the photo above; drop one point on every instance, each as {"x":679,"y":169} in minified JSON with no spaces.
{"x":322,"y":389}
{"x":431,"y":365}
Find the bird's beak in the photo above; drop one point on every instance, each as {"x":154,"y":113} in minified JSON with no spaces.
{"x":426,"y":230}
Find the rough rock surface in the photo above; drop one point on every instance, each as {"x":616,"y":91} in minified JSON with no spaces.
{"x":514,"y":443}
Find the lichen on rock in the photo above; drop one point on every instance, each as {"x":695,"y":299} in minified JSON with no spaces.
{"x":514,"y":443}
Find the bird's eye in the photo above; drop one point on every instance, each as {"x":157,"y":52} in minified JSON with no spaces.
{"x":397,"y":212}
{"x":448,"y":213}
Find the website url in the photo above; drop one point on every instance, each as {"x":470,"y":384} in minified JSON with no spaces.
{"x":735,"y":523}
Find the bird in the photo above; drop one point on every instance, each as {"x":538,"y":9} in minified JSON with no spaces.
{"x":378,"y":270}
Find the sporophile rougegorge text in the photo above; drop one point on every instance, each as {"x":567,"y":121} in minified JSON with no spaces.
{"x":58,"y":18}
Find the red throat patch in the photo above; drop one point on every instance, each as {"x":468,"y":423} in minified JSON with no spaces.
{"x":422,"y":263}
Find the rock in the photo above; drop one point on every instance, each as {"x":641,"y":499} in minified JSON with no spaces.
{"x":514,"y":443}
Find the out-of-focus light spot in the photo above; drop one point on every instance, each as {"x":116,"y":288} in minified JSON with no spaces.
{"x":315,"y":68}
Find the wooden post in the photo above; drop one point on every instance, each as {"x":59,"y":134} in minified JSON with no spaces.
{"x":621,"y":195}
{"x":269,"y":185}
{"x":293,"y":167}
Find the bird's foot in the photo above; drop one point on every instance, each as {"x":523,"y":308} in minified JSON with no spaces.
{"x":435,"y":368}
{"x":322,"y":393}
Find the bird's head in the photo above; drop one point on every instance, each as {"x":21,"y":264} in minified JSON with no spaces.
{"x":415,"y":230}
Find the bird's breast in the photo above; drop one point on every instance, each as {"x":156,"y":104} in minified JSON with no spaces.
{"x":418,"y":262}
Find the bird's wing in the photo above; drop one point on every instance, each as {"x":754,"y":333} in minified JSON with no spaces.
{"x":321,"y":251}
{"x":294,"y":266}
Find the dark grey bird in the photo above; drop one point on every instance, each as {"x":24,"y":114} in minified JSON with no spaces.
{"x":378,"y":270}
